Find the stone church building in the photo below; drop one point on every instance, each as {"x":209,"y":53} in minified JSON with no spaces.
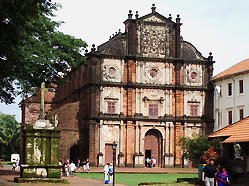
{"x":145,"y":88}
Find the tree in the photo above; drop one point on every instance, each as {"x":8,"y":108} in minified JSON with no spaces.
{"x":197,"y":147}
{"x":9,"y":135}
{"x":31,"y":48}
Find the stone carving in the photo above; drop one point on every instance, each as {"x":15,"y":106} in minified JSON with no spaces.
{"x":43,"y":124}
{"x":153,"y":41}
{"x":111,"y":70}
{"x":154,"y":19}
{"x":56,"y":120}
{"x":193,"y":74}
{"x":153,"y":73}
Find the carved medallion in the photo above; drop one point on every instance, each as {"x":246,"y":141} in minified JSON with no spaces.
{"x":193,"y":74}
{"x":110,"y":72}
{"x":152,"y":74}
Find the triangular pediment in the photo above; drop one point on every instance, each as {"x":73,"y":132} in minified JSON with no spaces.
{"x":154,"y":18}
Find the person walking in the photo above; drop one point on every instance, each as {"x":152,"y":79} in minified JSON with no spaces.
{"x":147,"y":162}
{"x":72,"y":168}
{"x":106,"y":170}
{"x":87,"y":166}
{"x":17,"y":164}
{"x":110,"y":172}
{"x":222,"y":178}
{"x":78,"y":164}
{"x":67,"y":167}
{"x":209,"y":173}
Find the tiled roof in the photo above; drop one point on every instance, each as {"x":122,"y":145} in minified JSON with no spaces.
{"x":236,"y":69}
{"x":236,"y":132}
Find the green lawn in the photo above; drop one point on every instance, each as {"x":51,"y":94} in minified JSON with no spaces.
{"x":135,"y":179}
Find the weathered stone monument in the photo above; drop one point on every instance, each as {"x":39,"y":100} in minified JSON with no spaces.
{"x":40,"y":149}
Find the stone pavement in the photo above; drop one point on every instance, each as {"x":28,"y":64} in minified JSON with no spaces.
{"x":7,"y":176}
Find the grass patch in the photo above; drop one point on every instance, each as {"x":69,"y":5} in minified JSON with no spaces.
{"x":135,"y":178}
{"x":6,"y":163}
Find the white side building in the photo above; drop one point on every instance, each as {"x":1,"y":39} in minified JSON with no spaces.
{"x":231,"y":95}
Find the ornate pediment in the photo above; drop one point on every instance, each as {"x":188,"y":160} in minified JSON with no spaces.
{"x":154,"y":18}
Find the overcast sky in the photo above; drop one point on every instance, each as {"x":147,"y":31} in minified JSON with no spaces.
{"x":217,"y":26}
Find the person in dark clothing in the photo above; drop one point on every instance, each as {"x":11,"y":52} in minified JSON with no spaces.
{"x":209,"y":173}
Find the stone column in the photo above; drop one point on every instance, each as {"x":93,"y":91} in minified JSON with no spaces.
{"x":166,"y":145}
{"x":121,"y":148}
{"x":170,"y":102}
{"x":93,"y":142}
{"x":185,"y":163}
{"x":121,"y":100}
{"x":101,"y":100}
{"x":138,"y":157}
{"x":101,"y":145}
{"x":136,"y":138}
{"x":171,"y":145}
{"x":141,"y":72}
{"x":178,"y":146}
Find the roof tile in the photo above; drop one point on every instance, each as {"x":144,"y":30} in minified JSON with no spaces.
{"x":236,"y":132}
{"x":240,"y":67}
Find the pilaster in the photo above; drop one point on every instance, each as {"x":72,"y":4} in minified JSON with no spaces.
{"x":171,"y":145}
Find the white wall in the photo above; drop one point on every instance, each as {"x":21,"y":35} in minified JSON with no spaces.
{"x":224,"y":103}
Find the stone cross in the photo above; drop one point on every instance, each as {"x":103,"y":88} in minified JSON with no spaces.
{"x":42,"y":106}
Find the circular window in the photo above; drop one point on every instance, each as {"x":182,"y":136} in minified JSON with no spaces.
{"x":153,"y":72}
{"x":193,"y":75}
{"x":112,"y":71}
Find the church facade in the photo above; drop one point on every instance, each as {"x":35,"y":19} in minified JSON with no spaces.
{"x":145,"y":89}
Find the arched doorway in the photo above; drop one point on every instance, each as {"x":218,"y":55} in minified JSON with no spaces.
{"x":74,"y":153}
{"x":153,"y":145}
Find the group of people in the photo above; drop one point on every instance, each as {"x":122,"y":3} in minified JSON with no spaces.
{"x":108,"y":173}
{"x":150,"y":162}
{"x":69,"y":168}
{"x":85,"y":164}
{"x":212,"y":175}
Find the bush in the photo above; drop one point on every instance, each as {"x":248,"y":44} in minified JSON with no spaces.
{"x":198,"y":149}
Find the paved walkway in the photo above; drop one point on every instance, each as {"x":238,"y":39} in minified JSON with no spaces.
{"x":7,"y":176}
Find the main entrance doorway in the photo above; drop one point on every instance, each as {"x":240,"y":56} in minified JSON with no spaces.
{"x":74,"y":153}
{"x":108,"y":153}
{"x":153,"y":145}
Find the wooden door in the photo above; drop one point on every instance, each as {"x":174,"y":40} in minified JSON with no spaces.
{"x":108,"y":153}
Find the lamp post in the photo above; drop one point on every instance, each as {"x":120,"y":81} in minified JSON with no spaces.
{"x":114,"y":148}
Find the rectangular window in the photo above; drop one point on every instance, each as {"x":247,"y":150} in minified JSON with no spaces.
{"x":219,"y":119}
{"x":194,"y":110}
{"x":153,"y":110}
{"x":111,"y":107}
{"x":241,"y":114}
{"x":230,"y":117}
{"x":229,"y":89}
{"x":241,"y":88}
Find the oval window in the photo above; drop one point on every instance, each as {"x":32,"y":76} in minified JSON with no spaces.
{"x":153,"y":72}
{"x":112,"y":71}
{"x":194,"y":75}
